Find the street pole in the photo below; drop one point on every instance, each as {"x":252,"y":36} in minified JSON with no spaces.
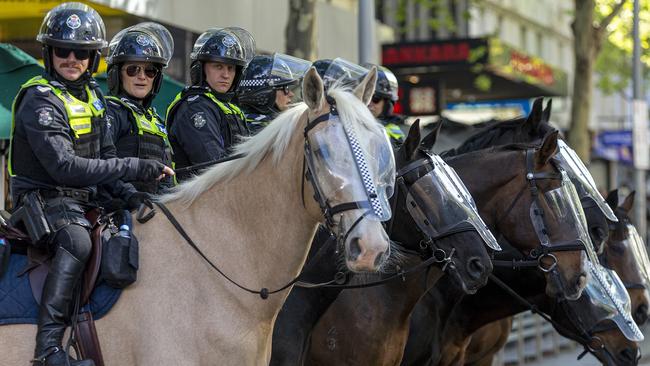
{"x":640,"y":130}
{"x":366,"y":30}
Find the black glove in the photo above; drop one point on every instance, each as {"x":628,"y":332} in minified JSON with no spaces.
{"x":149,"y":170}
{"x":137,"y":199}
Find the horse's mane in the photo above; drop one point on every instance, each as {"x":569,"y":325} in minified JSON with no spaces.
{"x":275,"y":139}
{"x":482,"y":139}
{"x":517,"y":146}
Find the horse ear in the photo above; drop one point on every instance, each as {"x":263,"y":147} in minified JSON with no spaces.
{"x":312,"y":89}
{"x":547,"y":149}
{"x":412,"y":140}
{"x":546,"y":115}
{"x":612,"y":199}
{"x":535,"y":115}
{"x":628,"y":203}
{"x":429,"y":140}
{"x":366,"y":88}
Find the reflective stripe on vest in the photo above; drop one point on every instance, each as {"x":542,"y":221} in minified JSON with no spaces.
{"x":394,"y":131}
{"x":226,"y":108}
{"x":152,"y":126}
{"x":79,"y":113}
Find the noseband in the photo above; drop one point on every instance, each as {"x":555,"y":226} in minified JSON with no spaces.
{"x":544,"y":250}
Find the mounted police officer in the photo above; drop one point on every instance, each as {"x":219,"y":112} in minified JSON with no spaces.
{"x":135,"y":61}
{"x":202,"y":122}
{"x":383,"y":102}
{"x":58,"y":156}
{"x":269,"y":86}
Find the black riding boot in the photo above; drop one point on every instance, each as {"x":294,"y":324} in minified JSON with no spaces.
{"x":56,"y":308}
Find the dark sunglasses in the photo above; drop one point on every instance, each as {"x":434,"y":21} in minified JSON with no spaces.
{"x":78,"y":54}
{"x":149,"y":71}
{"x":376,"y":100}
{"x":285,"y":89}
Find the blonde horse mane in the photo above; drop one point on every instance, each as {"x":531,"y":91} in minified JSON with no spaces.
{"x":274,"y":139}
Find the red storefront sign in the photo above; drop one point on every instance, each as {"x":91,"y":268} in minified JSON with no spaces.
{"x":431,"y":53}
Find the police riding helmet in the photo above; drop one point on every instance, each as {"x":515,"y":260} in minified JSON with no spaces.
{"x":72,"y":26}
{"x":339,"y":72}
{"x":266,"y":74}
{"x":386,"y":88}
{"x":144,"y":42}
{"x":230,"y":45}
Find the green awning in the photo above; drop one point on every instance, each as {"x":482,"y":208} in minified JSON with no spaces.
{"x":16,"y":67}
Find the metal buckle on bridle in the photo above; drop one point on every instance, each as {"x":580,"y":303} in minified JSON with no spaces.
{"x":552,"y":266}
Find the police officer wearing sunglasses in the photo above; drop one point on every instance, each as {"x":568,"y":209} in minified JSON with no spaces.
{"x":59,"y":154}
{"x":382,"y":104}
{"x":202,"y":122}
{"x":136,"y":57}
{"x":268,"y":87}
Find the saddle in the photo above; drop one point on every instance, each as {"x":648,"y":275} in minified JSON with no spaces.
{"x":86,"y":340}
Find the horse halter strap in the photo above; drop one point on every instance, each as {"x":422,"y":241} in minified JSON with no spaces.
{"x":585,"y":337}
{"x":543,"y":250}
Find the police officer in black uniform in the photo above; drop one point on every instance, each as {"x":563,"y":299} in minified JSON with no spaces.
{"x":58,"y":155}
{"x":202,"y":122}
{"x":135,"y":61}
{"x":269,"y":86}
{"x":383,"y":102}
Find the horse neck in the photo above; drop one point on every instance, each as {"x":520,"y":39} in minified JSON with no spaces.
{"x":486,"y":177}
{"x":264,"y":229}
{"x":491,"y":303}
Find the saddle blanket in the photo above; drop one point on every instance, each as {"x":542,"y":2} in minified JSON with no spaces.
{"x":17,"y":303}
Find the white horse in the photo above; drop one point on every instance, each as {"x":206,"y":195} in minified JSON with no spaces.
{"x":254,"y":218}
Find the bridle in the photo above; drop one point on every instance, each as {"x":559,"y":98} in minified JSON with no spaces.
{"x":544,"y":249}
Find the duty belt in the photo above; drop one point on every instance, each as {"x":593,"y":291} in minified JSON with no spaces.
{"x":82,"y":195}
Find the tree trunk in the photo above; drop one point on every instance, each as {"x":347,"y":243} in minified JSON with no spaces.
{"x":587,"y":41}
{"x":584,"y":57}
{"x":300,"y":31}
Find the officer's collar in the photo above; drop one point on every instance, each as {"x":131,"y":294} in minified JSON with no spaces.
{"x":132,"y":102}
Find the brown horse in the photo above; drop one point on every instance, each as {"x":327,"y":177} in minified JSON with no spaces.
{"x":340,"y":332}
{"x":254,"y":217}
{"x":483,"y":344}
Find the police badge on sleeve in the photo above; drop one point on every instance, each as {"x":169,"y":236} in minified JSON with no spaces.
{"x":44,"y":116}
{"x":198,"y":119}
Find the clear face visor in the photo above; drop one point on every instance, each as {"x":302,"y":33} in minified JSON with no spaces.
{"x":564,"y":222}
{"x":286,"y":74}
{"x":242,"y":36}
{"x":637,"y":247}
{"x":440,"y":202}
{"x":580,"y":175}
{"x":344,"y":72}
{"x":152,"y":33}
{"x":605,"y":298}
{"x":347,"y":171}
{"x":392,"y":81}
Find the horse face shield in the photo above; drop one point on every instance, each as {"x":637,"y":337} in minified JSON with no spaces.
{"x":564,"y":217}
{"x":637,"y":247}
{"x":440,"y":203}
{"x":579,"y":174}
{"x":604,"y":299}
{"x":348,"y":172}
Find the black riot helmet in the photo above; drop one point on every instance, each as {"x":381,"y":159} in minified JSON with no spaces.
{"x":74,"y":26}
{"x":266,"y":74}
{"x":144,"y":42}
{"x":339,"y":71}
{"x":386,"y":88}
{"x":231,"y":45}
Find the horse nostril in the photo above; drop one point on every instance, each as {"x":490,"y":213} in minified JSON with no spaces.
{"x":581,"y":282}
{"x":355,"y":249}
{"x":641,"y":314}
{"x":475,"y":268}
{"x":381,"y":257}
{"x":628,"y":355}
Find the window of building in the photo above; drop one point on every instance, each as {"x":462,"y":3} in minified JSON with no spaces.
{"x":523,"y":37}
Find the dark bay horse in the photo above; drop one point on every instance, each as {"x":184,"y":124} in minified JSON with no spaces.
{"x":460,"y":252}
{"x":336,"y":339}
